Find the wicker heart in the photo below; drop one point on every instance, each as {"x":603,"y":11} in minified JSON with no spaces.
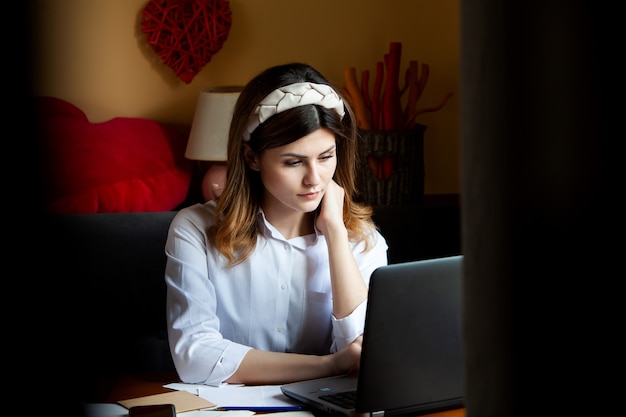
{"x":186,"y":34}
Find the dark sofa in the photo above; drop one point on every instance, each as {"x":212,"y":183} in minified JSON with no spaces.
{"x":106,"y":292}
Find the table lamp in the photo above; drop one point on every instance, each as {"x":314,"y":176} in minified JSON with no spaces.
{"x":208,"y":138}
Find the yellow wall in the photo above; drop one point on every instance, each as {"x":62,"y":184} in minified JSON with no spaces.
{"x":93,"y":54}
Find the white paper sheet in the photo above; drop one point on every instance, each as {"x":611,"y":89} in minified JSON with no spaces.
{"x":246,"y":396}
{"x":233,"y":395}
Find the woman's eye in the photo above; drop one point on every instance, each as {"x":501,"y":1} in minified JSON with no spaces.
{"x":327,"y":157}
{"x":292,"y":163}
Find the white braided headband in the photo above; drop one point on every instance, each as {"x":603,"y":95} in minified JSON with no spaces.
{"x":290,"y":96}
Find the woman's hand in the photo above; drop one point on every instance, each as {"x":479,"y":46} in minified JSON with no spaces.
{"x":347,"y":360}
{"x":331,"y":208}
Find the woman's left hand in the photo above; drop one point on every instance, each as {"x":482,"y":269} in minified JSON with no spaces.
{"x":331,"y":210}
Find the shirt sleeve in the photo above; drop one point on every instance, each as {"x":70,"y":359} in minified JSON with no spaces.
{"x":199,"y":352}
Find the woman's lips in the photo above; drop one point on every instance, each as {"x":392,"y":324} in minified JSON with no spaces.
{"x":310,"y":196}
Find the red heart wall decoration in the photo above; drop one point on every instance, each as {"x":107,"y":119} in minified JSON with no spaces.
{"x":186,"y":34}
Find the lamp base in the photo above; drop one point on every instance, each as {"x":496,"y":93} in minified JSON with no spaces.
{"x":213,"y":181}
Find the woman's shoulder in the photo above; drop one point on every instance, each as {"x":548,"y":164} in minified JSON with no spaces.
{"x":199,"y":214}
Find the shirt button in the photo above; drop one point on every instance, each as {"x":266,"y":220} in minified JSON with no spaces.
{"x":283,"y":287}
{"x":286,"y":246}
{"x":279,"y":329}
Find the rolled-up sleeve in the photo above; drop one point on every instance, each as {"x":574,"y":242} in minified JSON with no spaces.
{"x":199,"y":352}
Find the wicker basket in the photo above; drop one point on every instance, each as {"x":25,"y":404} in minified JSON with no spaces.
{"x":391,"y":166}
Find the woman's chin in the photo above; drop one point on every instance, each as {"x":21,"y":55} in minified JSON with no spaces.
{"x":310,"y":206}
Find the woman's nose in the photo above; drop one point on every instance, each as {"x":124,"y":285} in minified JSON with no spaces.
{"x":312,"y":176}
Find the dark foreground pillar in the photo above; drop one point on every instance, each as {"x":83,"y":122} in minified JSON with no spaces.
{"x":541,"y":218}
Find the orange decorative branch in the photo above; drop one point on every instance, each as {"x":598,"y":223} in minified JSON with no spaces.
{"x":383,"y":110}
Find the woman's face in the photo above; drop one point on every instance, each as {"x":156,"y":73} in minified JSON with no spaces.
{"x":295,"y":176}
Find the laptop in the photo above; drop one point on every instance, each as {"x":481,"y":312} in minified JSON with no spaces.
{"x":412,"y":356}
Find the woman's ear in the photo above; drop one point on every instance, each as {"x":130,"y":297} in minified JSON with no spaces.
{"x":251,"y":157}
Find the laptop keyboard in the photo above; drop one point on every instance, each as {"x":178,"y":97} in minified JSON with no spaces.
{"x":345,"y":399}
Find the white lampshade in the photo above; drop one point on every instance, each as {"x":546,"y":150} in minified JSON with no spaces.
{"x":209,"y":132}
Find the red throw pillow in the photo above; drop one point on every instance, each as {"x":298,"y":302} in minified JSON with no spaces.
{"x":120,"y":165}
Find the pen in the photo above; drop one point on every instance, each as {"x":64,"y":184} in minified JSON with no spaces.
{"x":262,"y":409}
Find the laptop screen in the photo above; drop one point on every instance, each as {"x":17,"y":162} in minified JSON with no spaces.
{"x":412,"y":357}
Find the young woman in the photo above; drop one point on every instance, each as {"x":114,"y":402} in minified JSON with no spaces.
{"x":268,"y":283}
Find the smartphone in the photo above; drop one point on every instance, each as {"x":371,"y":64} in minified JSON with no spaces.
{"x":156,"y":410}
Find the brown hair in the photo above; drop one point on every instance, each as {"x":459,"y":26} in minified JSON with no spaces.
{"x":236,"y":219}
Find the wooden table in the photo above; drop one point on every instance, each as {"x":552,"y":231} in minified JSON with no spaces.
{"x":139,"y":385}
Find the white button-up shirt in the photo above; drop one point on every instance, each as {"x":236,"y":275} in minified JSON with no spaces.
{"x":278,"y":300}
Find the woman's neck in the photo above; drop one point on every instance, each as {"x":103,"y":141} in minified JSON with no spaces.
{"x":291,"y":223}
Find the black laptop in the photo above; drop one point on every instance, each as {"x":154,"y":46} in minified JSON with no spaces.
{"x":412,"y":361}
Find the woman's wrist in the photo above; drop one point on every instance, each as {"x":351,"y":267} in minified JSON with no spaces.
{"x":335,"y":232}
{"x":330,"y":365}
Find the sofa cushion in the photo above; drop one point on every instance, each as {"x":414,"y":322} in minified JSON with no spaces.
{"x":120,"y":165}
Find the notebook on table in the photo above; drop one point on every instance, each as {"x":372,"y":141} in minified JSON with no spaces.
{"x":411,"y":361}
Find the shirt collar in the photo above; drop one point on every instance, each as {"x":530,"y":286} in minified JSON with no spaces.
{"x":269,"y":231}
